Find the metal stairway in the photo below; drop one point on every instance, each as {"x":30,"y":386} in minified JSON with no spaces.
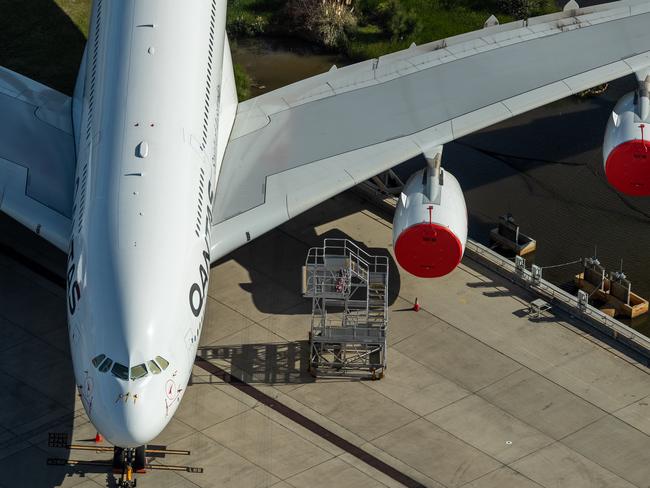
{"x":349,"y":323}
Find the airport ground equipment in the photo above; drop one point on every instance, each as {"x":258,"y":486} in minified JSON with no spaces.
{"x":539,"y":306}
{"x":612,"y":291}
{"x":125,"y":462}
{"x":507,"y":235}
{"x":349,"y":320}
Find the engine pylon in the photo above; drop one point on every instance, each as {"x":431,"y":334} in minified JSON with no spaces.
{"x":626,"y":148}
{"x":430,"y":225}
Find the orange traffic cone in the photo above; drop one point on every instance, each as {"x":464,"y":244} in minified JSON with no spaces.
{"x":416,"y":306}
{"x":98,"y":438}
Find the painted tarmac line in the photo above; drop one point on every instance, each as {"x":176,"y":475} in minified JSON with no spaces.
{"x":307,"y":423}
{"x":251,"y":391}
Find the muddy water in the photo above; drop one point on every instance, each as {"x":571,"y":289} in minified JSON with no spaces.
{"x":276,"y":62}
{"x":544,"y":167}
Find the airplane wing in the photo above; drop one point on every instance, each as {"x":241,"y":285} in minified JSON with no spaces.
{"x":293,"y":148}
{"x":37,"y":157}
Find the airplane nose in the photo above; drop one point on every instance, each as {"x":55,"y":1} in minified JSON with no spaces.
{"x":134,"y":426}
{"x":133,"y":419}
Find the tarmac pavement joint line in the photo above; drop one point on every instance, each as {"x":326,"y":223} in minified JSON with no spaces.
{"x":308,"y":424}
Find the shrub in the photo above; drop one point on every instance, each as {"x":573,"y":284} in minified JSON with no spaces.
{"x":328,"y":22}
{"x":522,"y":9}
{"x":394,"y":19}
{"x":246,"y":25}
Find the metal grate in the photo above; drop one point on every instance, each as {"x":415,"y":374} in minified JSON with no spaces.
{"x":57,"y":439}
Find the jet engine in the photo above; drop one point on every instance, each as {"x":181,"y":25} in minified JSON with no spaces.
{"x":430,"y":224}
{"x":626,"y":150}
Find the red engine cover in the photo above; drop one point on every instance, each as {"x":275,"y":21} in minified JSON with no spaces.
{"x":628,"y":168}
{"x":428,"y":250}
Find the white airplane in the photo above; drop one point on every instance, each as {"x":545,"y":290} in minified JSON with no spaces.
{"x":151,"y":171}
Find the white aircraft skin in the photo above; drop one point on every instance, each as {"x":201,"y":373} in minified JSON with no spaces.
{"x":139,"y":263}
{"x":152,"y":113}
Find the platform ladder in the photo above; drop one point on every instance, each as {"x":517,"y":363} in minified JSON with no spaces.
{"x":349,"y":321}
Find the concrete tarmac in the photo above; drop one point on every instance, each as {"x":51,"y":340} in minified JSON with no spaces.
{"x":476,"y":393}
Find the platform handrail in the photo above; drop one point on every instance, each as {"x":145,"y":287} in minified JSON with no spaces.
{"x":354,"y":336}
{"x":346,"y":248}
{"x":357,"y":265}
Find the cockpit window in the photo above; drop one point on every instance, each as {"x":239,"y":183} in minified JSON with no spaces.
{"x":153,"y":367}
{"x":97,"y":360}
{"x":138,"y":371}
{"x":121,"y":371}
{"x":105,"y":366}
{"x":162,"y":362}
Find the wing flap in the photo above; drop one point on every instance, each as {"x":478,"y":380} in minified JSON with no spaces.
{"x":37,"y":156}
{"x":49,"y":224}
{"x":323,"y":135}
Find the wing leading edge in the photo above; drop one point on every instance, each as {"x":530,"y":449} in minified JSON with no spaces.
{"x":37,"y":157}
{"x":297,"y":146}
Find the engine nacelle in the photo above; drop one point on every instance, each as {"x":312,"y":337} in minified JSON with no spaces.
{"x":626,"y":150}
{"x":430,"y":224}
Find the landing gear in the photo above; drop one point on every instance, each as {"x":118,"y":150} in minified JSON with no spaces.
{"x":126,"y":461}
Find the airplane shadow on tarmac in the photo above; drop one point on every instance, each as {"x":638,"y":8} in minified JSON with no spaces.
{"x":38,"y":40}
{"x":35,"y":366}
{"x":274,"y":262}
{"x":278,"y":256}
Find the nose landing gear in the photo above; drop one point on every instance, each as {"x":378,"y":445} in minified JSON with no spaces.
{"x":126,"y":461}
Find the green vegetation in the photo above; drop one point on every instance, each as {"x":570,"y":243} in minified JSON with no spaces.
{"x":402,"y":22}
{"x":247,"y":18}
{"x":78,"y":11}
{"x":393,"y":18}
{"x":246,"y":24}
{"x":242,"y":82}
{"x":382,"y":26}
{"x":44,"y":40}
{"x":326,"y":22}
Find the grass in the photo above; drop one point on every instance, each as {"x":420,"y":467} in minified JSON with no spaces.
{"x":264,"y":8}
{"x":242,"y":82}
{"x":436,"y":22}
{"x":254,"y":17}
{"x":79,"y":13}
{"x":44,"y":39}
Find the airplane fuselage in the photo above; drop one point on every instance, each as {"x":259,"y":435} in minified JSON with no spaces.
{"x":146,"y":117}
